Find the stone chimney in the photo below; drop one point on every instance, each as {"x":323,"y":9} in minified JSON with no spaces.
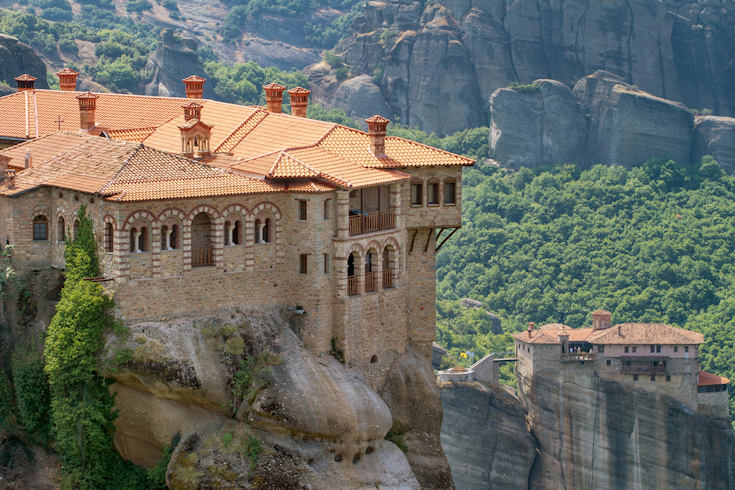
{"x":531,"y":326}
{"x":87,"y":106}
{"x":274,"y":97}
{"x":376,"y":130}
{"x":194,"y":86}
{"x":601,"y":319}
{"x":10,"y":177}
{"x":195,"y":133}
{"x":67,"y":79}
{"x":25,"y":82}
{"x":192,"y":110}
{"x":299,"y":101}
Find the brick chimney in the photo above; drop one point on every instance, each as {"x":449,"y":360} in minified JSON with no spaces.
{"x":87,"y":106}
{"x":25,"y":82}
{"x":195,"y":133}
{"x":194,"y":86}
{"x":299,"y":101}
{"x":376,"y":131}
{"x":67,"y":79}
{"x":531,"y":326}
{"x":601,"y":319}
{"x":274,"y":97}
{"x":192,"y":110}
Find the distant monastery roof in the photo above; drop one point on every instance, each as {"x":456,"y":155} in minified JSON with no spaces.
{"x":624,"y":333}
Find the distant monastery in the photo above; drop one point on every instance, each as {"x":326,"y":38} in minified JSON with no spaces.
{"x":200,"y":206}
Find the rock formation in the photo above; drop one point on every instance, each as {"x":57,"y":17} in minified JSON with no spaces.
{"x":250,"y":403}
{"x":485,"y":437}
{"x":175,"y":58}
{"x":425,"y":56}
{"x":16,"y":58}
{"x":603,"y":120}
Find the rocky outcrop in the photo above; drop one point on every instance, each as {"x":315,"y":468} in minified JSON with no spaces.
{"x":250,"y":403}
{"x":175,"y":58}
{"x":17,"y":58}
{"x":447,"y":60}
{"x":603,"y":120}
{"x":715,"y":136}
{"x":485,"y":437}
{"x":597,"y":433}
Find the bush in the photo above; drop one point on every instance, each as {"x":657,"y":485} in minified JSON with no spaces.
{"x":341,"y":73}
{"x":528,"y":87}
{"x":33,"y":400}
{"x":138,"y":5}
{"x":56,"y":14}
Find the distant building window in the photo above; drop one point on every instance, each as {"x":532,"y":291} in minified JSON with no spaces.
{"x":303,"y":263}
{"x":326,"y":263}
{"x":417,"y":190}
{"x":668,"y":378}
{"x":653,"y":348}
{"x":609,"y":362}
{"x":302,"y":210}
{"x":40,"y":228}
{"x":432,"y":192}
{"x":327,"y":205}
{"x":60,"y":230}
{"x":634,"y":348}
{"x":600,"y":348}
{"x":635,"y":377}
{"x":653,"y":377}
{"x":658,"y":348}
{"x":76,"y":228}
{"x":108,"y":237}
{"x":676,"y":348}
{"x":686,"y":348}
{"x":626,"y":349}
{"x":450,"y":192}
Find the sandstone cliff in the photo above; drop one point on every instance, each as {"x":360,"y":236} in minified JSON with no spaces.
{"x":427,"y":57}
{"x":250,"y":403}
{"x":16,"y":58}
{"x":175,"y":58}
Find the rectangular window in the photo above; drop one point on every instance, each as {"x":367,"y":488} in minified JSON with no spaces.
{"x":626,"y":349}
{"x":302,"y":210}
{"x":303,"y":264}
{"x":658,"y":348}
{"x":653,"y":348}
{"x":600,"y":348}
{"x":326,"y":263}
{"x":450,"y":192}
{"x":653,"y":377}
{"x":668,"y":378}
{"x":686,"y":348}
{"x":327,"y":204}
{"x":608,"y":362}
{"x":634,"y":348}
{"x":676,"y":348}
{"x":432,"y":193}
{"x":635,"y":377}
{"x":417,"y":191}
{"x":40,"y":231}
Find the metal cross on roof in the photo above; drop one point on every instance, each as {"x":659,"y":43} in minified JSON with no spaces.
{"x":59,"y":121}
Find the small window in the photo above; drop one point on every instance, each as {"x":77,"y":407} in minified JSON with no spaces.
{"x":686,"y":348}
{"x":228,"y":233}
{"x":174,"y":241}
{"x":432,"y":193}
{"x":653,"y":377}
{"x":676,"y":348}
{"x":450,"y":192}
{"x":327,"y":205}
{"x":635,"y":348}
{"x":600,"y":348}
{"x":143,"y":239}
{"x":609,"y":362}
{"x":133,"y":240}
{"x":635,"y":377}
{"x":256,"y":238}
{"x":236,"y":233}
{"x":60,"y":230}
{"x":658,"y":348}
{"x":668,"y":378}
{"x":302,"y":210}
{"x":653,"y":348}
{"x":326,"y":263}
{"x":108,"y":237}
{"x":626,"y":349}
{"x":303,"y":263}
{"x":267,"y":231}
{"x":40,"y":228}
{"x":374,"y":359}
{"x":76,"y":228}
{"x":417,"y":190}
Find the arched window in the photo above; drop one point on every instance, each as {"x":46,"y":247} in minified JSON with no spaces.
{"x":201,"y":240}
{"x":109,"y":237}
{"x":143,"y":239}
{"x":76,"y":228}
{"x":164,"y":237}
{"x":40,"y":228}
{"x":60,"y":230}
{"x":257,"y":231}
{"x":235,"y":239}
{"x":133,"y":240}
{"x":369,"y":274}
{"x":387,"y":272}
{"x":267,"y":231}
{"x":351,"y":279}
{"x":228,"y":233}
{"x":173,"y":242}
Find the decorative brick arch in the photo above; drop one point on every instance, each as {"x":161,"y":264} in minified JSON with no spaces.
{"x":40,"y":209}
{"x":171,"y":212}
{"x":357,"y":248}
{"x":235,"y":208}
{"x":374,"y":244}
{"x":141,"y":214}
{"x":268,"y":206}
{"x":277,"y":225}
{"x":110,"y":219}
{"x":392,"y":242}
{"x":204,"y":208}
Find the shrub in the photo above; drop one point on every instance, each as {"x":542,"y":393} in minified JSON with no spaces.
{"x":341,"y":73}
{"x":526,"y":88}
{"x":33,"y":400}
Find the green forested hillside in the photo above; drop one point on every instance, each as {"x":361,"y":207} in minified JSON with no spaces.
{"x":655,"y":243}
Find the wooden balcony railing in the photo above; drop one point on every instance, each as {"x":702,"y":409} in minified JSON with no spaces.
{"x":352,"y":285}
{"x":578,"y":356}
{"x":369,"y":281}
{"x":366,"y":223}
{"x":642,"y":368}
{"x":201,"y":256}
{"x":387,"y":279}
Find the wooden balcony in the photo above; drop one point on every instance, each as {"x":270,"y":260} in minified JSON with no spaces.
{"x":387,"y":279}
{"x":578,"y":356}
{"x":201,"y":256}
{"x":642,"y":367}
{"x":352,"y":287}
{"x":370,"y":222}
{"x":370,"y":282}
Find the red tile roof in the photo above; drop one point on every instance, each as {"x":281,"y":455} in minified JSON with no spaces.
{"x":624,"y":333}
{"x":709,"y":379}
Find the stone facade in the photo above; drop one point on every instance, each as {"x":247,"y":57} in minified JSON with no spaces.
{"x":171,"y":258}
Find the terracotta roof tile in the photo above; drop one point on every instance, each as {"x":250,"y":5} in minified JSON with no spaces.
{"x":645,"y":333}
{"x":132,"y":135}
{"x":40,"y":149}
{"x":25,"y":78}
{"x":67,"y":71}
{"x":709,"y":379}
{"x":536,"y":337}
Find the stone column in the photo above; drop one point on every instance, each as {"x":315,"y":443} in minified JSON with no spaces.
{"x":343,"y":215}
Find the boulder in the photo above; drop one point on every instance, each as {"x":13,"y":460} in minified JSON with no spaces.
{"x":537,"y":124}
{"x":437,"y":353}
{"x":485,"y":438}
{"x":361,"y":98}
{"x":17,"y":58}
{"x":714,"y":135}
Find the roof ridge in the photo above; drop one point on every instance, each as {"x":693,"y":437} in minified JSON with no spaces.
{"x":441,"y":150}
{"x":307,"y":166}
{"x":231,"y":136}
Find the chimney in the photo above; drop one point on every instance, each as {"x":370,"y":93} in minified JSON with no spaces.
{"x":274,"y":97}
{"x":28,"y":159}
{"x":376,"y":131}
{"x":10,"y":177}
{"x":531,"y":326}
{"x":87,"y":106}
{"x":67,"y":79}
{"x":194,"y":86}
{"x":192,"y":110}
{"x":299,"y":101}
{"x":620,"y":331}
{"x":26,"y":82}
{"x":601,"y":319}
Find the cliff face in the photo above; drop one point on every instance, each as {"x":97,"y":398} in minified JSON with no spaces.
{"x":250,"y":403}
{"x":16,"y":58}
{"x":175,"y":58}
{"x":427,"y":58}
